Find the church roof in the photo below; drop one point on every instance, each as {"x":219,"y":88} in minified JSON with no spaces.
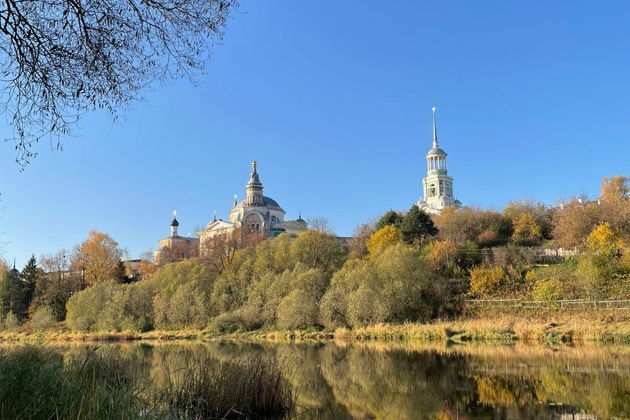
{"x":295,"y":225}
{"x":181,"y":238}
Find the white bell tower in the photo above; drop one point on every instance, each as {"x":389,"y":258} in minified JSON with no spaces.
{"x":437,"y":186}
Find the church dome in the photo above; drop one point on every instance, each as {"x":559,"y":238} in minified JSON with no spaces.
{"x":268,"y":202}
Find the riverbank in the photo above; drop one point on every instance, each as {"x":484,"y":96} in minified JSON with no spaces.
{"x":551,"y":327}
{"x":501,"y":329}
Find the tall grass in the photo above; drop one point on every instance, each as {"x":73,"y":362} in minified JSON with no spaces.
{"x":250,"y":388}
{"x":38,"y":383}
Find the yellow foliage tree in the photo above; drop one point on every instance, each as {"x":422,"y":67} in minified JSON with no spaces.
{"x":527,"y":229}
{"x":615,"y":188}
{"x":442,"y":254}
{"x":603,"y":240}
{"x":383,"y":238}
{"x":484,"y":282}
{"x":98,"y":257}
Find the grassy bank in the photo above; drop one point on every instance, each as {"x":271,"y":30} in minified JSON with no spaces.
{"x":62,"y":334}
{"x":609,"y":327}
{"x":612,"y":326}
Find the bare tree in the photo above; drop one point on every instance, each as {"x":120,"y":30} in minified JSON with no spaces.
{"x":219,"y":250}
{"x":358,"y":242}
{"x":62,"y":58}
{"x":319,"y":224}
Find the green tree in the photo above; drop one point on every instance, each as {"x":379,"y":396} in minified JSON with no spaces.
{"x":391,"y":217}
{"x":416,"y":226}
{"x":318,"y":250}
{"x":30,"y":277}
{"x":11,"y":295}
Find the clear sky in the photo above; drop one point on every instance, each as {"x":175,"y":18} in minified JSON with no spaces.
{"x":333,"y":98}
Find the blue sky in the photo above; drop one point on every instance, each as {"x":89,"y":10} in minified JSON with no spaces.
{"x":333,"y":98}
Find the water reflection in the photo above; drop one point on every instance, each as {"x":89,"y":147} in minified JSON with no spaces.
{"x":376,"y":381}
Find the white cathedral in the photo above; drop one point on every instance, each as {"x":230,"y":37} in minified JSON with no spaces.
{"x":257,"y":214}
{"x":437,"y":186}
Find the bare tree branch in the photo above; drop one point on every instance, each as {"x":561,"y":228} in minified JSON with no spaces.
{"x":62,"y":58}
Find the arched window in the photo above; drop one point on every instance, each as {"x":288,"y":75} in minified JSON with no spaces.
{"x":252,"y":221}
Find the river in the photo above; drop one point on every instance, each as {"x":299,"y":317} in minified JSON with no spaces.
{"x":338,"y":380}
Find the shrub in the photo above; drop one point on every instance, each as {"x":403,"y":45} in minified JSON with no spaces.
{"x":485,"y":282}
{"x":85,"y":308}
{"x":11,"y":322}
{"x":297,"y":309}
{"x":43,"y":319}
{"x":394,"y":285}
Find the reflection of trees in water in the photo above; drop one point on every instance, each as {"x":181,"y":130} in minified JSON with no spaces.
{"x":359,"y":381}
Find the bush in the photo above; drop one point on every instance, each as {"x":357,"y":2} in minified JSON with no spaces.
{"x":297,"y":310}
{"x":11,"y":322}
{"x":85,"y":308}
{"x":227,"y":323}
{"x":486,"y":282}
{"x":394,"y":285}
{"x":43,"y":319}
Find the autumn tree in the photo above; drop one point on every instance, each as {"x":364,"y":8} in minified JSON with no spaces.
{"x":527,"y":231}
{"x":615,"y":188}
{"x":416,"y":226}
{"x":574,"y":221}
{"x":615,"y":203}
{"x":486,"y":228}
{"x":604,"y":240}
{"x":98,"y":258}
{"x":542,"y":215}
{"x":443,"y":256}
{"x":384,"y":237}
{"x":61,"y":59}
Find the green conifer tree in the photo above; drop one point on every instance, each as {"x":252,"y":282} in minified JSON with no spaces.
{"x":29,"y":277}
{"x":416,"y":226}
{"x":11,"y":293}
{"x":392,"y":217}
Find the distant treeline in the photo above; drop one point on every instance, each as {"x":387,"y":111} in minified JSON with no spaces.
{"x":403,"y":267}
